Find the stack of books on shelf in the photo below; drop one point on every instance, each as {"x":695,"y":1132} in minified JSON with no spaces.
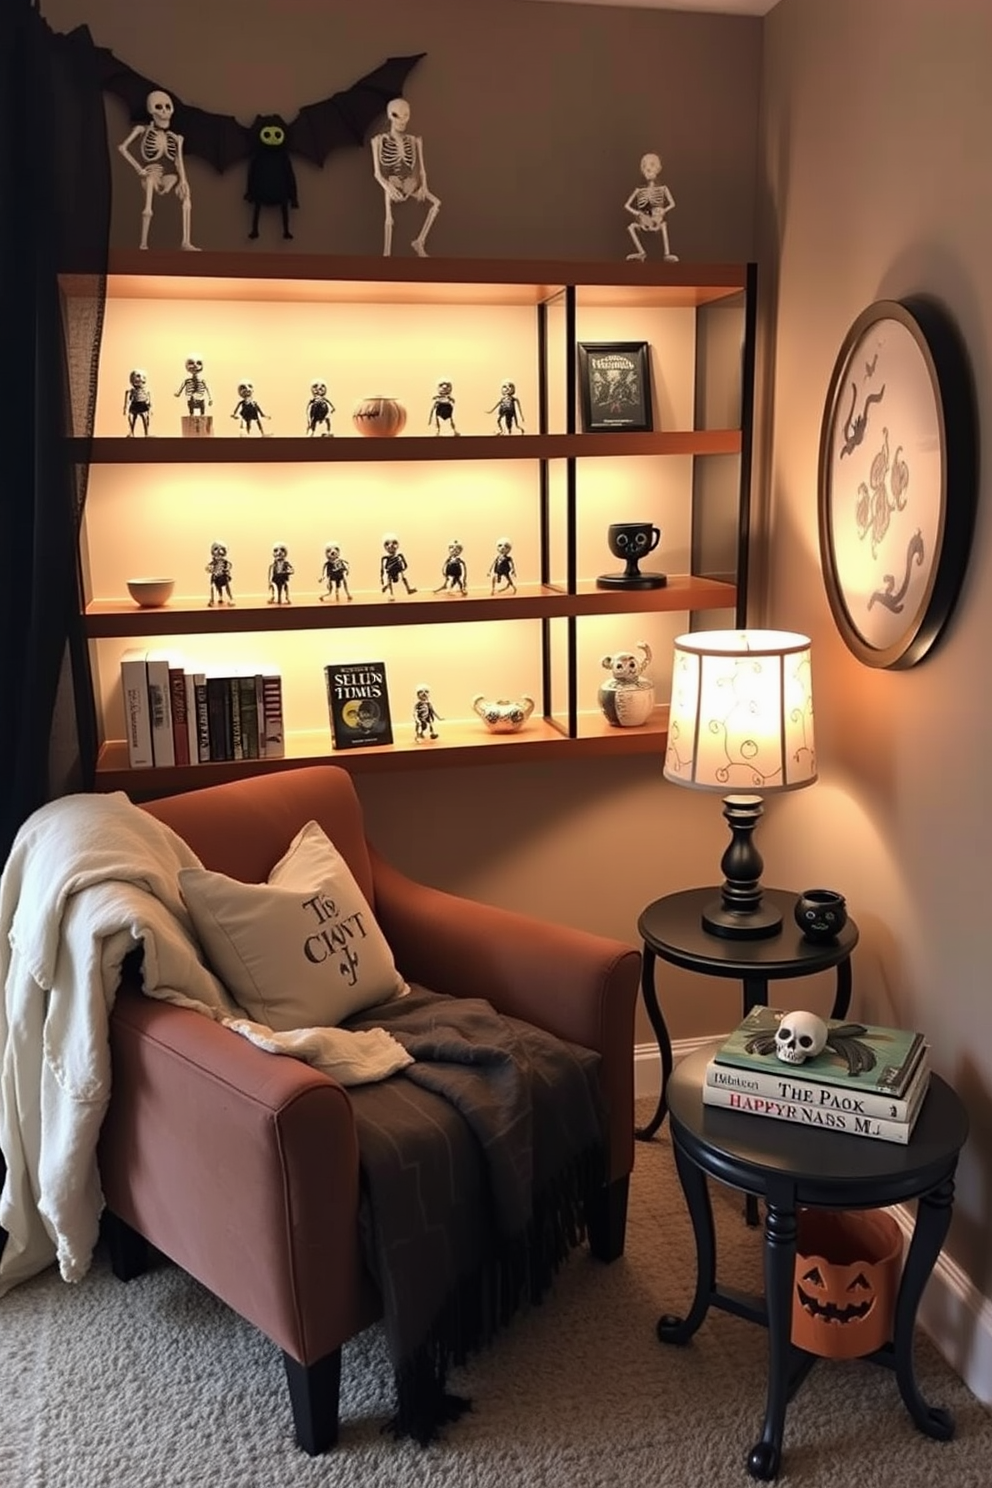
{"x":869,"y":1081}
{"x":175,"y":716}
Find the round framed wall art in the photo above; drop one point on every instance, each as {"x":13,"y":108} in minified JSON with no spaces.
{"x":897,"y":480}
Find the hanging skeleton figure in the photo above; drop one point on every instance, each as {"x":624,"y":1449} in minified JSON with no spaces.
{"x":393,"y":566}
{"x":159,"y":165}
{"x":398,"y":165}
{"x":649,"y":205}
{"x":248,"y":409}
{"x":137,"y":401}
{"x":503,"y":570}
{"x":424,"y":716}
{"x":194,"y":388}
{"x":455,"y":571}
{"x":220,"y":569}
{"x":507,"y":409}
{"x":319,"y":409}
{"x":335,"y":573}
{"x":280,"y":573}
{"x":443,"y":408}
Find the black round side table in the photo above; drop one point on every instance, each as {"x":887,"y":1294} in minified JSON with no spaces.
{"x":672,"y":929}
{"x":791,"y":1166}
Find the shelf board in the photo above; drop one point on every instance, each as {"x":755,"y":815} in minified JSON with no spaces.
{"x":290,"y":276}
{"x":293,"y":449}
{"x":461,"y":743}
{"x":188,"y":616}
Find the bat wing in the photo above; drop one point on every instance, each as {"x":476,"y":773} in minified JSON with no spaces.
{"x":217,"y":138}
{"x":347,"y":117}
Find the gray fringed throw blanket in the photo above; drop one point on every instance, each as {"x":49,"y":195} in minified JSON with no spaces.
{"x":477,"y":1164}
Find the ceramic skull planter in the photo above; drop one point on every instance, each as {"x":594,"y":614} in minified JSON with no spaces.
{"x":627,"y":699}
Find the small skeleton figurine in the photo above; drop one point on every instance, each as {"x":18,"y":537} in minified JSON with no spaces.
{"x":398,"y":165}
{"x":194,"y":388}
{"x":219,"y":568}
{"x":503,"y":570}
{"x":160,"y":162}
{"x":455,"y":571}
{"x":280,"y":573}
{"x":137,"y":401}
{"x":392,"y":566}
{"x":507,"y":410}
{"x":319,"y":409}
{"x":442,"y":408}
{"x":248,"y":409}
{"x":649,"y":205}
{"x":424,"y":716}
{"x":335,"y":573}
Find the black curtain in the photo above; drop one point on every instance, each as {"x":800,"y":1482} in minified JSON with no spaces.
{"x":54,"y":220}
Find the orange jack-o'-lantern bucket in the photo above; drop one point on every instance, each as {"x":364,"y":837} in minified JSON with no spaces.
{"x":848,"y":1265}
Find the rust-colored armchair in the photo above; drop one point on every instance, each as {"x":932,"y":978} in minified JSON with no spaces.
{"x":243,"y":1168}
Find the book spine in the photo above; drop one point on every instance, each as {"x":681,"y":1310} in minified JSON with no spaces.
{"x":160,"y":698}
{"x":219,"y":717}
{"x":137,"y":712}
{"x":234,"y":701}
{"x":275,"y":736}
{"x":180,"y":727}
{"x":249,"y":717}
{"x":192,"y":743}
{"x":202,"y":718}
{"x":802,"y":1114}
{"x":817,"y":1093}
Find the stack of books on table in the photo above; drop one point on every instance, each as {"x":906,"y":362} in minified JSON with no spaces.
{"x":869,"y":1081}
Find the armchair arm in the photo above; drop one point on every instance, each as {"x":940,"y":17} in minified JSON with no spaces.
{"x":241,"y":1166}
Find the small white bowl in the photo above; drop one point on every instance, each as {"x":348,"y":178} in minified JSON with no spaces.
{"x":150,"y":593}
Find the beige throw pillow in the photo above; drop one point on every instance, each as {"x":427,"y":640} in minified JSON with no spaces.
{"x":300,"y":951}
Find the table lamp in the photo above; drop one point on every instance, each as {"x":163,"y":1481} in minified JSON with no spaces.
{"x":741,"y":719}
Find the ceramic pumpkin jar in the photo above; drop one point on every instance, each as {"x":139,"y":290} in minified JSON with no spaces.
{"x":379,"y":418}
{"x":848,"y":1265}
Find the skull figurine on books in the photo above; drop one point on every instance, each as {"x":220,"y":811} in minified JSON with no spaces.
{"x":800,"y":1036}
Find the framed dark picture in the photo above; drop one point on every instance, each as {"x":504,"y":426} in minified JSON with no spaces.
{"x":897,"y":480}
{"x":615,"y":386}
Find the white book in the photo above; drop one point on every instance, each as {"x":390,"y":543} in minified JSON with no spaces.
{"x":780,"y":1082}
{"x":137,"y":711}
{"x":812,"y":1117}
{"x":160,"y":702}
{"x":274,"y":727}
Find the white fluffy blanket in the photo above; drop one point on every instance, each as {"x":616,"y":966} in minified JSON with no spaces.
{"x":90,"y":878}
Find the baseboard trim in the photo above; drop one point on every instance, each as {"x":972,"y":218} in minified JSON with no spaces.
{"x":953,"y":1312}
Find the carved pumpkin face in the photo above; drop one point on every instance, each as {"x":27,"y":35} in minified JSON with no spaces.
{"x":847,"y":1277}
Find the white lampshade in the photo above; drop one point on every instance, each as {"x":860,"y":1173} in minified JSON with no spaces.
{"x":741,"y":716}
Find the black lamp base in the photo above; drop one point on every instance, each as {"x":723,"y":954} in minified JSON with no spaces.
{"x":741,"y":913}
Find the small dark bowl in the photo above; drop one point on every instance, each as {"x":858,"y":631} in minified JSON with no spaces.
{"x":821,"y":914}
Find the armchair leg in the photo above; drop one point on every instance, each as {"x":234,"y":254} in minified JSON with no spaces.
{"x":128,"y":1250}
{"x":313,"y":1391}
{"x":606,"y":1220}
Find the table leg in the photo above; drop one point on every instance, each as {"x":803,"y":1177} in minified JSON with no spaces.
{"x":780,"y":1265}
{"x":672,"y":1329}
{"x":933,"y":1219}
{"x":842,"y":996}
{"x":650,"y":995}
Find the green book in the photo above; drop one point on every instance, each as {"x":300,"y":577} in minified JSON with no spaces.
{"x":896,"y":1052}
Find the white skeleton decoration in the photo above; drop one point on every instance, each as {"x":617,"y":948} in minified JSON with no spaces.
{"x":319,"y":410}
{"x":424,"y":716}
{"x":398,"y":165}
{"x":159,"y":164}
{"x":220,"y":569}
{"x":507,"y":409}
{"x":280,"y":573}
{"x":248,"y":410}
{"x":649,"y":205}
{"x":443,"y":408}
{"x":137,"y":401}
{"x":454,"y":571}
{"x":800,"y":1036}
{"x":503,"y":570}
{"x":334,"y":573}
{"x":194,"y":388}
{"x":393,"y":566}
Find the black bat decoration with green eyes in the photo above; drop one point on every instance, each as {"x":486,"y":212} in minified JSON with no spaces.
{"x":344,"y":119}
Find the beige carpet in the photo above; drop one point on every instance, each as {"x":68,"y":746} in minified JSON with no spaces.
{"x":156,"y":1385}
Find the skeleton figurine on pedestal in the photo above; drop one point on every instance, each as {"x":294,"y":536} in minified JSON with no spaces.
{"x":424,"y":716}
{"x":220,"y":569}
{"x":393,"y":566}
{"x":649,"y":205}
{"x":455,"y":571}
{"x":319,"y":409}
{"x":280,"y":573}
{"x":507,"y":409}
{"x":443,"y":408}
{"x":335,"y":573}
{"x":503,"y":570}
{"x":137,"y":401}
{"x":160,"y":165}
{"x":194,"y":388}
{"x":248,"y":409}
{"x":398,"y":165}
